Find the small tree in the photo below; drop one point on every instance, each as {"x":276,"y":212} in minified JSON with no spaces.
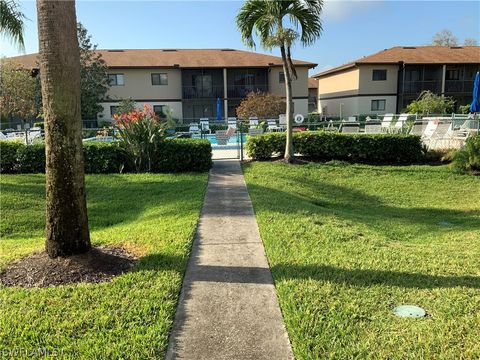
{"x":429,"y":103}
{"x":93,"y":74}
{"x":470,"y":42}
{"x":444,"y":38}
{"x":17,"y":91}
{"x":126,"y":106}
{"x":262,"y":105}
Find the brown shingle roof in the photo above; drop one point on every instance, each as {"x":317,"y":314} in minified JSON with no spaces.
{"x":312,"y":83}
{"x":416,"y":55}
{"x":184,"y":58}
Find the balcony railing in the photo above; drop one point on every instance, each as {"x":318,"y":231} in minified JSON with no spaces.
{"x":240,"y":91}
{"x":458,"y":86}
{"x":195,"y":92}
{"x":415,"y":87}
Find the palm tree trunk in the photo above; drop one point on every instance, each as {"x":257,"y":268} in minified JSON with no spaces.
{"x":66,"y":229}
{"x":289,"y":153}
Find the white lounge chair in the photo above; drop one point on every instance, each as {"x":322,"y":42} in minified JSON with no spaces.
{"x":387,"y":122}
{"x":373,"y":127}
{"x":400,"y":123}
{"x":430,"y":128}
{"x":204,"y":125}
{"x":272,"y":125}
{"x":223,"y":136}
{"x":193,"y":128}
{"x":232,"y":122}
{"x":253,"y":121}
{"x":350,"y":127}
{"x":417,"y":129}
{"x":352,"y":119}
{"x":2,"y":136}
{"x":439,"y":138}
{"x":282,"y":121}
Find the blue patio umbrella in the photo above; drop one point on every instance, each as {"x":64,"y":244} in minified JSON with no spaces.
{"x":219,"y":109}
{"x":475,"y":106}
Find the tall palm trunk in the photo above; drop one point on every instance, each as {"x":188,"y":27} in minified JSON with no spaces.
{"x":66,"y":228}
{"x":289,"y":155}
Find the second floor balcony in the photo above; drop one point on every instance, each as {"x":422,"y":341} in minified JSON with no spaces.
{"x":416,"y":87}
{"x":458,"y":86}
{"x":241,"y":91}
{"x":201,"y":92}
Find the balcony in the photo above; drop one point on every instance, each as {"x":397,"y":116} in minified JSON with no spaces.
{"x":241,"y":91}
{"x":195,"y":92}
{"x":416,"y":87}
{"x":458,"y":86}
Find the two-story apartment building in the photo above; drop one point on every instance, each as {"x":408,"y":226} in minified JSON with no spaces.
{"x":190,"y":82}
{"x":386,"y":82}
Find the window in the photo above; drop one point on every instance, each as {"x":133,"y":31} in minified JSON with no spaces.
{"x":452,"y":74}
{"x":281,"y":78}
{"x":378,"y":105}
{"x":159,"y":79}
{"x":379,"y":75}
{"x":160,"y":111}
{"x":116,"y":79}
{"x":113,"y":110}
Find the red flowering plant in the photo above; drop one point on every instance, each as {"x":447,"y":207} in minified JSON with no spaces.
{"x":140,"y":131}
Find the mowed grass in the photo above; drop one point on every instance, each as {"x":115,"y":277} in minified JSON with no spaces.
{"x":153,"y":215}
{"x":348,"y":243}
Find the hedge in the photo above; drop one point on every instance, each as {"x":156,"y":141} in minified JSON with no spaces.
{"x":173,"y":155}
{"x":8,"y":155}
{"x":375,"y":148}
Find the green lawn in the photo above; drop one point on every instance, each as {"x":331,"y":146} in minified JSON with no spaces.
{"x":347,"y":243}
{"x":130,"y":317}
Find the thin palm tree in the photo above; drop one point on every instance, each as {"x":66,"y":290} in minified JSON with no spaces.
{"x":12,"y":22}
{"x":279,"y":23}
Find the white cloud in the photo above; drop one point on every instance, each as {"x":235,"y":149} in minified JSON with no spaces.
{"x":342,"y":9}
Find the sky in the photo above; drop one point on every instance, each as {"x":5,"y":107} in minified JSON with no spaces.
{"x":351,"y":29}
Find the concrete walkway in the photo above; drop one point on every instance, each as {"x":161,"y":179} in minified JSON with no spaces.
{"x":228,"y":306}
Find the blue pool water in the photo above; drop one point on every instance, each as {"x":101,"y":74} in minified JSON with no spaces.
{"x":213,"y":140}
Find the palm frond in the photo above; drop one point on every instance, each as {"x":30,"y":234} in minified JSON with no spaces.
{"x":12,"y":22}
{"x":306,"y":15}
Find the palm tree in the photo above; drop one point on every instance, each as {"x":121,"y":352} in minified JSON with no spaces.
{"x":66,"y":229}
{"x":11,"y":22}
{"x":270,"y":21}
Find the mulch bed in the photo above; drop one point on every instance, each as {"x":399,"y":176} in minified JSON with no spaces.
{"x":100,"y":264}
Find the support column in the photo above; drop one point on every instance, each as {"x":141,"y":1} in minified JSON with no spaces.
{"x":225,"y":93}
{"x":444,"y":75}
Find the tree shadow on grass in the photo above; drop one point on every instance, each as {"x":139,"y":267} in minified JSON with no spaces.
{"x":356,"y":206}
{"x":366,"y":277}
{"x":109,"y":203}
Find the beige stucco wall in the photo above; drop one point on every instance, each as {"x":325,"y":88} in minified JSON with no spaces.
{"x":138,"y":85}
{"x":299,"y":86}
{"x":176,"y":107}
{"x":368,"y":86}
{"x":347,"y":81}
{"x":331,"y":107}
{"x":364,"y":105}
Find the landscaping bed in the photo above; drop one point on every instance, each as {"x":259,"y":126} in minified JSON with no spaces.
{"x":348,"y":243}
{"x":152,"y":217}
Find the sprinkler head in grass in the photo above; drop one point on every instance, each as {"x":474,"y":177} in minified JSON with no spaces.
{"x":445,"y":223}
{"x":410,"y":311}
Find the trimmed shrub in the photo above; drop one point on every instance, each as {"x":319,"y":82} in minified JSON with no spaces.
{"x":177,"y":155}
{"x":105,"y":158}
{"x":31,"y":159}
{"x":468,"y":158}
{"x":8,"y":156}
{"x":172,"y":155}
{"x":375,"y":149}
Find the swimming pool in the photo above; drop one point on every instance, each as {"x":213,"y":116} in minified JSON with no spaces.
{"x":234,"y":140}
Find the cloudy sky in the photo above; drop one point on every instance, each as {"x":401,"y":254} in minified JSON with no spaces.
{"x":352,"y":29}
